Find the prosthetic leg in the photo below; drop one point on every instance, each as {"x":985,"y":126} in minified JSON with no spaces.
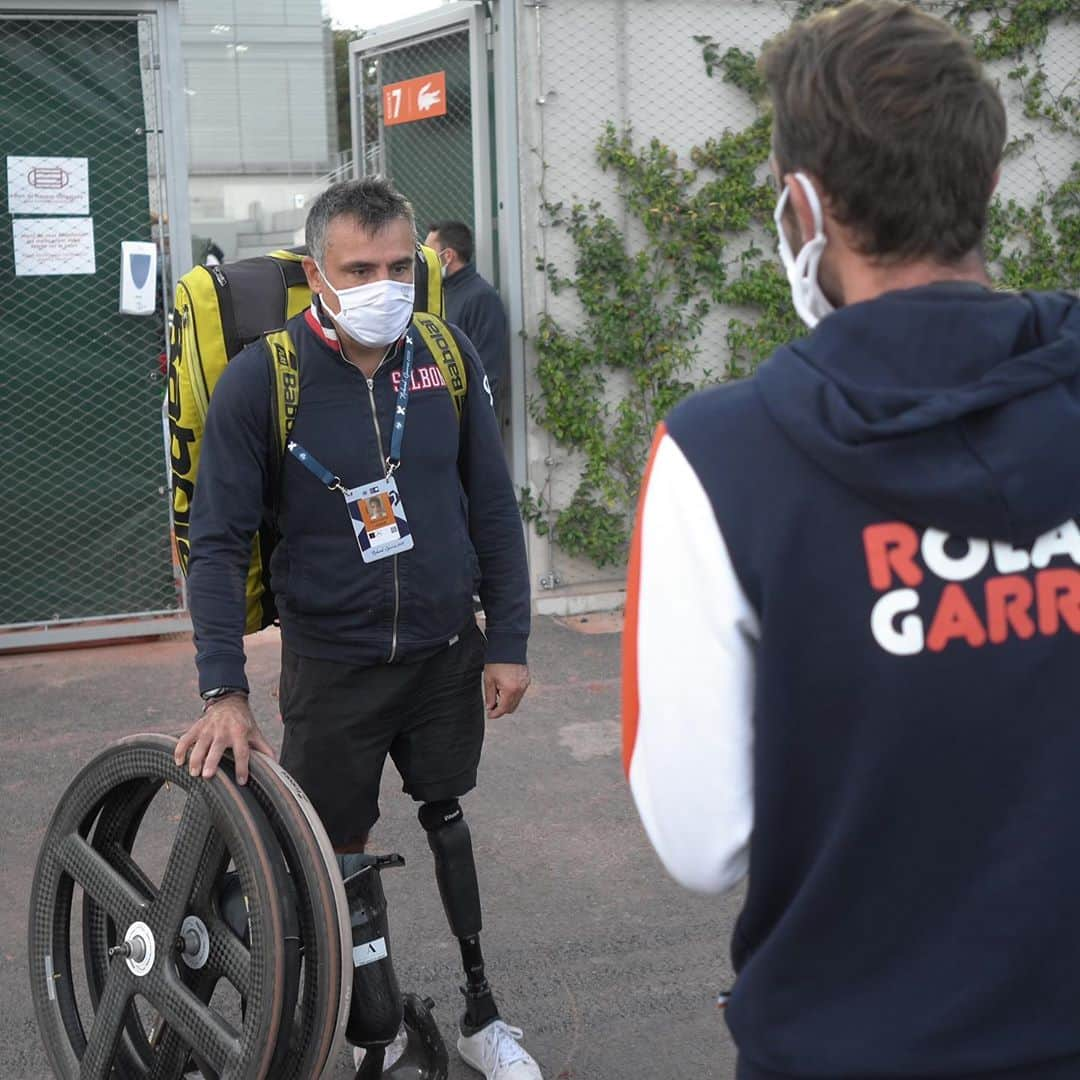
{"x":378,"y":1008}
{"x":376,"y":1011}
{"x":455,"y":871}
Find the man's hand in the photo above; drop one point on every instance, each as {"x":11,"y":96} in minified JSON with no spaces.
{"x":504,"y":687}
{"x":226,"y":724}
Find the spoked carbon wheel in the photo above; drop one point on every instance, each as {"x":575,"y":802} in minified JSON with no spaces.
{"x":141,"y":1000}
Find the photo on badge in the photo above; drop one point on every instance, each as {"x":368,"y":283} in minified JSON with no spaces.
{"x":378,"y":520}
{"x":376,"y":512}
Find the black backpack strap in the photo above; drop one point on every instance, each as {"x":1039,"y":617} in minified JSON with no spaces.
{"x":229,"y":330}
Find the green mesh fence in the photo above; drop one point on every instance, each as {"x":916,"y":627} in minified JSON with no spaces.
{"x":430,"y":160}
{"x":84,"y":523}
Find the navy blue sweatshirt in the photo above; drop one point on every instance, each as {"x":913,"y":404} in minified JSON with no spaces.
{"x":474,"y":305}
{"x":454,"y":486}
{"x":870,"y":551}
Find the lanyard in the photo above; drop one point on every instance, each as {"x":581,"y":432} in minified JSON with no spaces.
{"x":398,"y":434}
{"x":314,"y":466}
{"x":324,"y":475}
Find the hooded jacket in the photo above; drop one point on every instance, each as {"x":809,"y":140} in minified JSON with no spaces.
{"x":453,"y":483}
{"x":851,"y":648}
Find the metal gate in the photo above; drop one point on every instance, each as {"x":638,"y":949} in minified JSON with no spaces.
{"x":85,"y":548}
{"x":421,"y":97}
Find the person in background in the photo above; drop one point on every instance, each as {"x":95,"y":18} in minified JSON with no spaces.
{"x":206,"y":252}
{"x":474,"y":305}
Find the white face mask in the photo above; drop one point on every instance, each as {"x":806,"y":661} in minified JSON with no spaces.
{"x":373,"y":315}
{"x":811,"y":304}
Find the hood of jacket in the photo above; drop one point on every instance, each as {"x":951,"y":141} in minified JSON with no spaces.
{"x":950,"y":405}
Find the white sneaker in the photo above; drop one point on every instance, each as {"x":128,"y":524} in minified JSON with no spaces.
{"x":393,"y":1051}
{"x":495,"y":1051}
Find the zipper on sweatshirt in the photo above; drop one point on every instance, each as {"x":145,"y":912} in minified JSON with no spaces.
{"x":397,"y":583}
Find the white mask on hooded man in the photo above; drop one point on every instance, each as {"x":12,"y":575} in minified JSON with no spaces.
{"x":811,"y":303}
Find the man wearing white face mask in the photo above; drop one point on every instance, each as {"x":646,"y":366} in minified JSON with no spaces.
{"x":392,"y":511}
{"x":473,"y":304}
{"x":869,"y":555}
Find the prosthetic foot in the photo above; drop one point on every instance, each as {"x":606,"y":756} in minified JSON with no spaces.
{"x":424,"y":1056}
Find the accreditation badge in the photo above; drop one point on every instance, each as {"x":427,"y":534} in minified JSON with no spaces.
{"x":378,"y":519}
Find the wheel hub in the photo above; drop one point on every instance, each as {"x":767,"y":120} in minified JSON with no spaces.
{"x":194,"y":943}
{"x":140,"y":951}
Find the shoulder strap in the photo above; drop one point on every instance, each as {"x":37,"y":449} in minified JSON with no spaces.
{"x":442,"y":346}
{"x":433,"y":301}
{"x":229,"y":331}
{"x":284,"y":385}
{"x":297,"y":292}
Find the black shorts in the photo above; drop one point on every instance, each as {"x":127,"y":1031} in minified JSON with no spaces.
{"x":341,"y":721}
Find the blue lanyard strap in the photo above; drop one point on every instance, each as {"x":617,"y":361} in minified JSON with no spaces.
{"x":398,"y":434}
{"x":324,"y":475}
{"x":314,"y":466}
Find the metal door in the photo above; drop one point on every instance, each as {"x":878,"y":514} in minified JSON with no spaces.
{"x":420,"y":94}
{"x":84,"y":504}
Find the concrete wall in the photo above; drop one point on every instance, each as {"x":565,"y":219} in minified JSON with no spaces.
{"x":634,"y":62}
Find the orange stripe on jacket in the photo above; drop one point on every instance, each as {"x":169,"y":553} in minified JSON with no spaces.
{"x":630,"y":704}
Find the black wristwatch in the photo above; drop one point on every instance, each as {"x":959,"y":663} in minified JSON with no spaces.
{"x":220,"y":692}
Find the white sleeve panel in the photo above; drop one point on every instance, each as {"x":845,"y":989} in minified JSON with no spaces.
{"x":691,"y":769}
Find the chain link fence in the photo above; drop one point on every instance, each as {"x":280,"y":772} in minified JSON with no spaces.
{"x":84,"y":505}
{"x":641,"y":66}
{"x":417,"y":123}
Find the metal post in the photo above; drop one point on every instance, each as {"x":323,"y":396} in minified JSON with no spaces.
{"x":175,"y":138}
{"x":511,"y":279}
{"x":481,"y":144}
{"x":356,"y":111}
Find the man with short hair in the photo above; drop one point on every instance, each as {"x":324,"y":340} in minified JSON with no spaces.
{"x":473,"y":304}
{"x":854,"y":602}
{"x":381,"y":653}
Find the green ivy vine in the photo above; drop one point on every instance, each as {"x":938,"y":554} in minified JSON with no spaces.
{"x":1036,"y":246}
{"x":603,"y":388}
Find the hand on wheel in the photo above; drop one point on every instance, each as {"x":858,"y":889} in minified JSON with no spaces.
{"x":227,"y":724}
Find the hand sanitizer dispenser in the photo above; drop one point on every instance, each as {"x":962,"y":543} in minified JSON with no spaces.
{"x":138,"y":277}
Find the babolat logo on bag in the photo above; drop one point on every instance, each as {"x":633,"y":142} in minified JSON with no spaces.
{"x":286,"y":360}
{"x":292,"y":394}
{"x":286,"y":379}
{"x":182,"y":463}
{"x":444,"y":349}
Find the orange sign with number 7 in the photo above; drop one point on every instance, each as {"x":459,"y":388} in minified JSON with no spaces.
{"x":415,"y":99}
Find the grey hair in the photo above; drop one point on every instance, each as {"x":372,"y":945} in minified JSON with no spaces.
{"x":371,"y":202}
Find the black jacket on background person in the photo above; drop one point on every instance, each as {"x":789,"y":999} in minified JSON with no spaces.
{"x":475,"y":306}
{"x":454,"y":487}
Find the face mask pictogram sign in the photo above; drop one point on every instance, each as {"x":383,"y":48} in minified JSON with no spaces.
{"x":415,"y":99}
